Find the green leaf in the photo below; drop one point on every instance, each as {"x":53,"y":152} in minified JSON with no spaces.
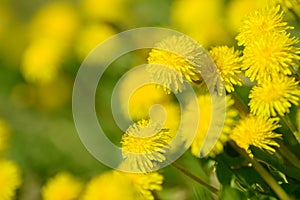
{"x":229,"y":193}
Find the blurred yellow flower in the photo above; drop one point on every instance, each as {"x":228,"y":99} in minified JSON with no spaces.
{"x":269,"y":55}
{"x":109,"y":11}
{"x":90,"y":36}
{"x":274,"y":97}
{"x":10,"y":179}
{"x":57,"y":20}
{"x":144,"y":145}
{"x":206,"y":112}
{"x":228,"y":62}
{"x":62,"y":187}
{"x":115,"y":185}
{"x":256,"y":131}
{"x":261,"y":22}
{"x":202,"y":20}
{"x":173,"y":60}
{"x":41,"y":61}
{"x":4,"y":135}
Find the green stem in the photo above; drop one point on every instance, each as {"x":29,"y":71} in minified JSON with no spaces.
{"x":239,"y":105}
{"x":292,"y":128}
{"x":287,"y":154}
{"x":264,"y":173}
{"x":297,"y":18}
{"x":196,"y":178}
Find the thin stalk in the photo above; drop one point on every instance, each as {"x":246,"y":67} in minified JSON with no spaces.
{"x":263,"y":173}
{"x":240,"y":105}
{"x":287,"y":154}
{"x":196,"y":178}
{"x":292,"y":128}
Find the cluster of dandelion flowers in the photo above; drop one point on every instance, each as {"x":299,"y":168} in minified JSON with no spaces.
{"x":274,"y":97}
{"x":206,"y":113}
{"x":144,"y":145}
{"x":256,"y":131}
{"x":261,"y":22}
{"x":4,"y":135}
{"x":228,"y":62}
{"x":129,"y":186}
{"x":63,"y":186}
{"x":174,"y":60}
{"x":270,"y":55}
{"x":10,"y":179}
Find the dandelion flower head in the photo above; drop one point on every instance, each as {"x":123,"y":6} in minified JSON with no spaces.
{"x":206,"y":113}
{"x":174,"y":60}
{"x":256,"y":131}
{"x":10,"y":179}
{"x":228,"y":62}
{"x":270,"y":55}
{"x":274,"y":97}
{"x":144,"y":145}
{"x":62,"y":187}
{"x":261,"y":22}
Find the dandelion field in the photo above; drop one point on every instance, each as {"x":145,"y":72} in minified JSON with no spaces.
{"x":219,"y":117}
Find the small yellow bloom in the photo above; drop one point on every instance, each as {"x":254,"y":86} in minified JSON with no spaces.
{"x":270,"y":55}
{"x":228,"y":62}
{"x":115,"y":185}
{"x":62,"y":187}
{"x":174,"y":60}
{"x":274,"y":97}
{"x":256,"y":131}
{"x":4,"y":135}
{"x":261,"y":22}
{"x":41,"y":61}
{"x":10,"y":179}
{"x":144,"y":145}
{"x":206,"y":112}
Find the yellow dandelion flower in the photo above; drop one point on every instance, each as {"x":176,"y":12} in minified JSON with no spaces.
{"x":261,"y":22}
{"x":110,"y":186}
{"x":274,"y":97}
{"x":4,"y":135}
{"x":269,"y":55}
{"x":144,"y":145}
{"x":206,"y":112}
{"x":115,"y":185}
{"x":63,"y":186}
{"x":10,"y":179}
{"x":58,"y":21}
{"x":228,"y":62}
{"x":41,"y":61}
{"x":174,"y":60}
{"x":256,"y":131}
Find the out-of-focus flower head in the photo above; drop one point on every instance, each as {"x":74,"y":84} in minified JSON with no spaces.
{"x":228,"y":62}
{"x":63,"y":186}
{"x":256,"y":131}
{"x":206,"y":113}
{"x":144,"y":145}
{"x":4,"y":135}
{"x":274,"y":97}
{"x":10,"y":179}
{"x":201,"y":20}
{"x":92,"y":35}
{"x":108,"y":11}
{"x":129,"y":186}
{"x":57,"y":20}
{"x":41,"y":61}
